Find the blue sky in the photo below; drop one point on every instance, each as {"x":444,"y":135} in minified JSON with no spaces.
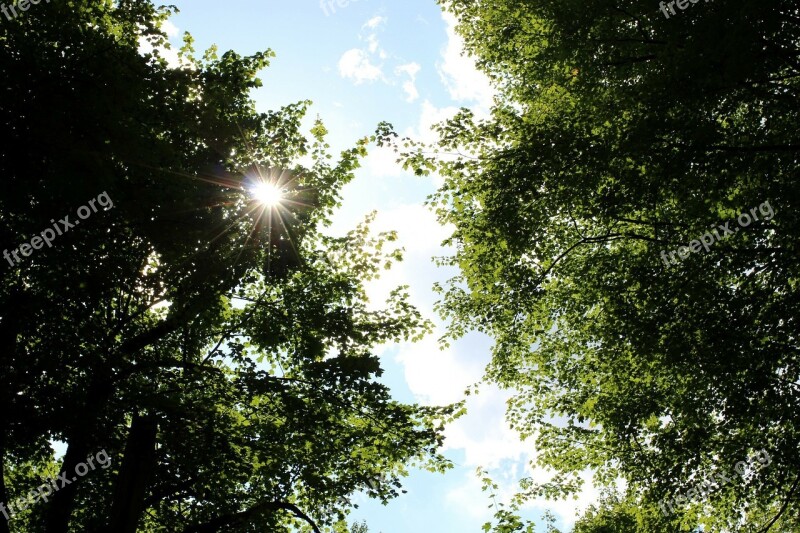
{"x":362,"y":63}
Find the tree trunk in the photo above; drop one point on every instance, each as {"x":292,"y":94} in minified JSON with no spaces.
{"x":138,"y":465}
{"x":79,"y":447}
{"x":3,"y":492}
{"x":62,"y":500}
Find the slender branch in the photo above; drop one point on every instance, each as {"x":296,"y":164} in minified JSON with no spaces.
{"x":585,"y":240}
{"x":243,"y":517}
{"x":764,"y":148}
{"x":631,"y":60}
{"x":783,"y":507}
{"x":225,"y":336}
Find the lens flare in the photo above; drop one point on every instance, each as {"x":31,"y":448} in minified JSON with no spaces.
{"x":267,"y":194}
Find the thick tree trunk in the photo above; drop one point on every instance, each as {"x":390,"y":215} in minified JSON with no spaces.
{"x":3,"y":492}
{"x":135,"y":475}
{"x":8,"y":340}
{"x":80,"y":443}
{"x":63,"y":500}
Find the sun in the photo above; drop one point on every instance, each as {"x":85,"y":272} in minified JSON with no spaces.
{"x":267,"y":194}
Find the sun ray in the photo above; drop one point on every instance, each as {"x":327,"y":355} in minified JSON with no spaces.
{"x":272,"y":191}
{"x":268,"y":194}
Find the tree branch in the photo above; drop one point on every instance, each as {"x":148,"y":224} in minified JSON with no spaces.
{"x":783,"y":507}
{"x":212,"y":526}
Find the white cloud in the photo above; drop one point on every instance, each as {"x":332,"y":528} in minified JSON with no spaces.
{"x":483,"y":433}
{"x":382,"y":162}
{"x":355,"y":64}
{"x":170,"y":29}
{"x":435,"y":376}
{"x":374,"y":22}
{"x":410,"y":85}
{"x":488,"y":442}
{"x":420,"y":235}
{"x":372,"y":43}
{"x":366,"y":64}
{"x":429,"y":116}
{"x":463,"y":80}
{"x":417,"y":228}
{"x":468,"y":497}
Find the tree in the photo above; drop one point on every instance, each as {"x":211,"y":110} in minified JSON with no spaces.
{"x":217,"y":349}
{"x":619,"y":136}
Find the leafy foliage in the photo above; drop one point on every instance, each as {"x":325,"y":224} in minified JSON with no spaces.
{"x":617,"y":134}
{"x":219,"y":350}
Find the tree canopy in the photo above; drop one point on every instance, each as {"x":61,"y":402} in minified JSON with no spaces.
{"x":218,"y":349}
{"x":617,"y":137}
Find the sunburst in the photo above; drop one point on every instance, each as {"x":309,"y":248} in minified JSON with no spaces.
{"x":267,"y":194}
